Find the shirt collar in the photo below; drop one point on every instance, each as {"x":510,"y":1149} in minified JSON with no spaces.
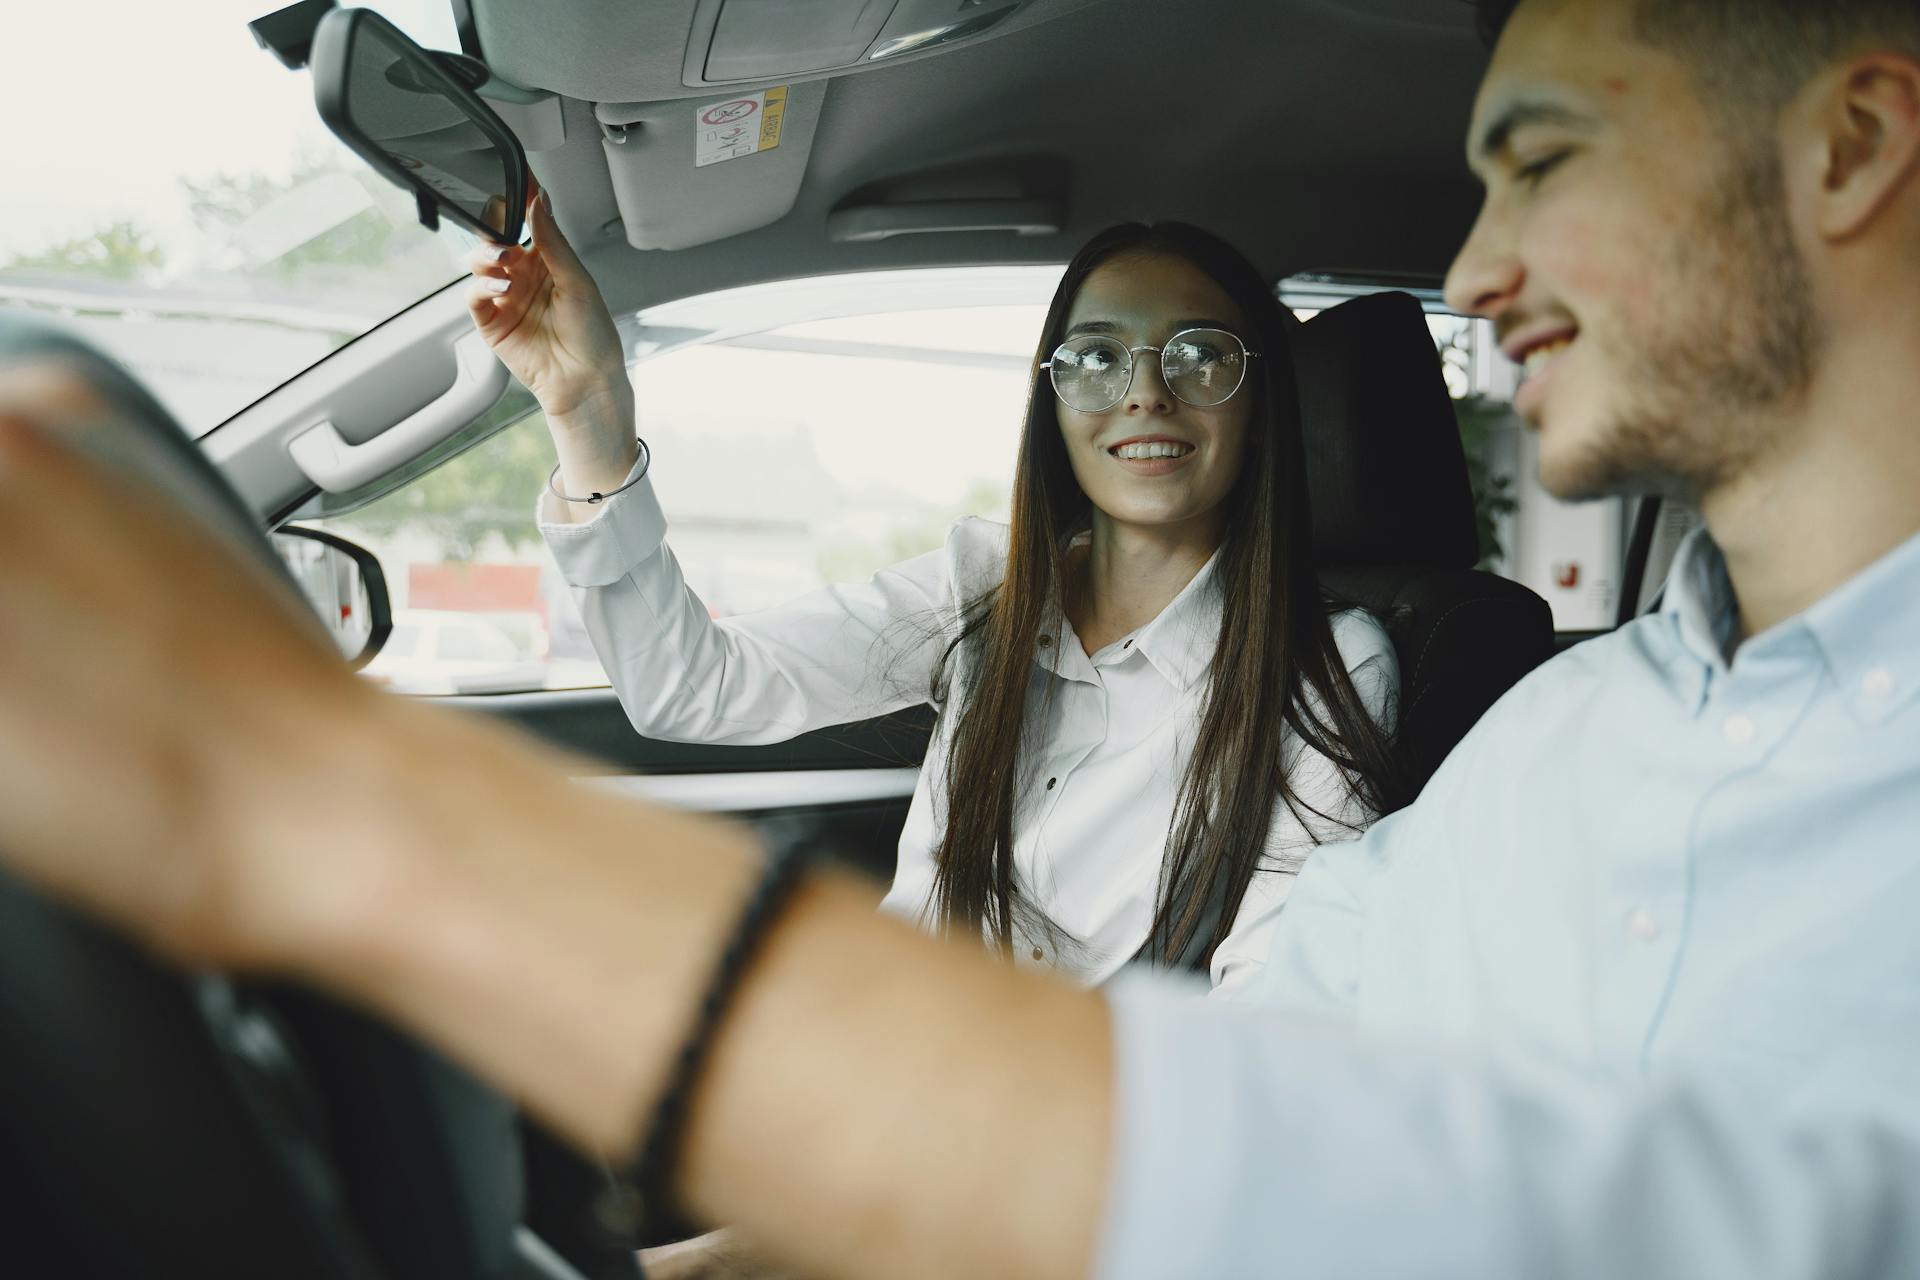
{"x":1868,"y":629}
{"x":1181,"y":640}
{"x":1178,"y":643}
{"x":1698,"y":602}
{"x":1864,"y":629}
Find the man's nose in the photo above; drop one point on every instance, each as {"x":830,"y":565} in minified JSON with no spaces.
{"x":1486,"y":275}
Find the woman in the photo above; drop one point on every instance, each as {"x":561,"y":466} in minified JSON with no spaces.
{"x":1148,"y":713}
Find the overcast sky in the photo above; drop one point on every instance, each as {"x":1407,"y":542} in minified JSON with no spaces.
{"x":109,"y":103}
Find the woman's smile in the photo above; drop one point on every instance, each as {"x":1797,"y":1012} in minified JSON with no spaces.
{"x":1153,"y":455}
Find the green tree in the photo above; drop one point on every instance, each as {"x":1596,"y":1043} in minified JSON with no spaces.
{"x":222,"y":205}
{"x":486,"y":491}
{"x":1493,"y":496}
{"x":120,"y":250}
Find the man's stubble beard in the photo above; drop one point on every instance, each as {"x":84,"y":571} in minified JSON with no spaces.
{"x":1701,"y":386}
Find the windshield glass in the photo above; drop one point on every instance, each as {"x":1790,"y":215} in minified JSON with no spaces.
{"x":178,"y":202}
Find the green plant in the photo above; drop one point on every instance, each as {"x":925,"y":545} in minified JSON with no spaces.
{"x":1493,"y":494}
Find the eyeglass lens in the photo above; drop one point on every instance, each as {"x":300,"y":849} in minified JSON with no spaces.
{"x":1202,"y":367}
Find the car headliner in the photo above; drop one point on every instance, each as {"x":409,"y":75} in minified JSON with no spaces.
{"x":1320,"y":135}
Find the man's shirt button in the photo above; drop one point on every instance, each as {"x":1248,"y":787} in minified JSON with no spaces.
{"x":1877,"y":684}
{"x":1641,"y":926}
{"x":1739,"y":730}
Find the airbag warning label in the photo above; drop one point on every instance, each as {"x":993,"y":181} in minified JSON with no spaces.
{"x":739,"y":126}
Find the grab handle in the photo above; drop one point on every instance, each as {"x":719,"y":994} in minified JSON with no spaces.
{"x":327,"y":459}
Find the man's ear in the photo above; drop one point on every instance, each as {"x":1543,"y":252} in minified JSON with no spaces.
{"x":1867,"y":118}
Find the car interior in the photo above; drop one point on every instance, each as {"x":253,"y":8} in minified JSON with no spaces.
{"x":193,"y":1124}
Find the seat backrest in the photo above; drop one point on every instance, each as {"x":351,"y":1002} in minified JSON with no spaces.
{"x":1393,"y":520}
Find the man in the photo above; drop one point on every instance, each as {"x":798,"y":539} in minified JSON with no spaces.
{"x":1634,"y":988}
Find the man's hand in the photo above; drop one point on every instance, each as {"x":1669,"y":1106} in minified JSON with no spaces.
{"x":718,"y":1255}
{"x":154,"y":692}
{"x":184,"y":755}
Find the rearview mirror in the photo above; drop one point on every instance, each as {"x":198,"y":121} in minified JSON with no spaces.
{"x":413,"y":116}
{"x":345,"y":586}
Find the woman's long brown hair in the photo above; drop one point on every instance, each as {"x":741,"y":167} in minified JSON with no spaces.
{"x":1275,"y":666}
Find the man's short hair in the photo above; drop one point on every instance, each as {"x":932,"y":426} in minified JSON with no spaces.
{"x":1754,"y":55}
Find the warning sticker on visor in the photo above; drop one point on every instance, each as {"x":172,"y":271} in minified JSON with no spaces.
{"x":738,"y":127}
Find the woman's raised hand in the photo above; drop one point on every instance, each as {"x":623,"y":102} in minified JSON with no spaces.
{"x":544,"y":317}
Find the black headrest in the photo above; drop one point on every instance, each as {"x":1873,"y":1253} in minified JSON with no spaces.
{"x":1385,"y":470}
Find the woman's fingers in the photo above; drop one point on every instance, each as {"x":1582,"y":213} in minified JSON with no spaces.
{"x":549,"y":241}
{"x":504,"y":286}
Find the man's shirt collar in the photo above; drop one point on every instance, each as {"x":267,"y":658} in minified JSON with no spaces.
{"x":1866,"y":631}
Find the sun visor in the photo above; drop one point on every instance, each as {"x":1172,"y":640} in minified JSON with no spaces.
{"x":695,"y":170}
{"x":744,"y":40}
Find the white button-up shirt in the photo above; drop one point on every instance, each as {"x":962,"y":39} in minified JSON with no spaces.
{"x":1633,"y":989}
{"x":1097,"y":790}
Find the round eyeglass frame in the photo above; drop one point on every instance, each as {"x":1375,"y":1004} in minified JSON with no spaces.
{"x":1161,"y":351}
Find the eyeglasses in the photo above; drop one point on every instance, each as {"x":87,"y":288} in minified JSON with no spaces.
{"x":1201,"y":367}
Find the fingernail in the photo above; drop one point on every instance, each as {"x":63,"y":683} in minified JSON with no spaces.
{"x":494,"y":284}
{"x":546,"y":199}
{"x":497,"y":252}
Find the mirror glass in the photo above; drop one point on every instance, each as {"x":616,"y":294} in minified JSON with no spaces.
{"x":396,"y":99}
{"x":335,"y":587}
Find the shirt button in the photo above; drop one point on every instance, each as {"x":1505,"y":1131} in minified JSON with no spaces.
{"x":1050,"y":782}
{"x":1038,"y":954}
{"x":1739,"y":730}
{"x":1877,"y":684}
{"x":1641,"y":926}
{"x":1046,"y":642}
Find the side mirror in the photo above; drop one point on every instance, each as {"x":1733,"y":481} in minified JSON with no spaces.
{"x":414,"y":116}
{"x":344,"y":584}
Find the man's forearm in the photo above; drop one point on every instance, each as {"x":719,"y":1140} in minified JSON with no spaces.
{"x":877,"y":1103}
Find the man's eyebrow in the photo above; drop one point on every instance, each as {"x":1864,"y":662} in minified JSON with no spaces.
{"x":1528,"y":111}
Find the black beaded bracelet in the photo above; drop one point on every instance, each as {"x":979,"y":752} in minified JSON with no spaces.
{"x":789,"y":849}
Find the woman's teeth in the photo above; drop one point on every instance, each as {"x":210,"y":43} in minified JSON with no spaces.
{"x":1152,"y":449}
{"x":1541,"y":356}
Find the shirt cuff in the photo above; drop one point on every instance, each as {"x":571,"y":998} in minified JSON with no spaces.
{"x":628,"y":528}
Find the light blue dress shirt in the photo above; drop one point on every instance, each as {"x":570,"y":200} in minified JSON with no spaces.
{"x":1633,"y":989}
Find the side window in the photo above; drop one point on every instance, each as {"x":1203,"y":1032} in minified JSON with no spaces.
{"x":1571,"y":554}
{"x":786,"y":456}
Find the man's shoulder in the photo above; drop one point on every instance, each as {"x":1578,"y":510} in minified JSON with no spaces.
{"x":1584,"y":668}
{"x":1569,"y":696}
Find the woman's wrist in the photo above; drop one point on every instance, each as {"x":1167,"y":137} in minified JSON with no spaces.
{"x":594,"y":442}
{"x":601,"y":414}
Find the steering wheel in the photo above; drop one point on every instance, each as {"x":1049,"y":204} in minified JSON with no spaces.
{"x":160,"y":1123}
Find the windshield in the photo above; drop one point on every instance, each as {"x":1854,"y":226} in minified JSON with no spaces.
{"x":178,"y":202}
